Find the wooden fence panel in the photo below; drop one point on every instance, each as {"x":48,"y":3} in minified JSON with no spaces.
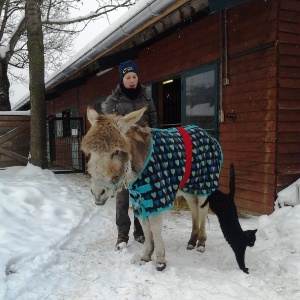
{"x":14,"y":140}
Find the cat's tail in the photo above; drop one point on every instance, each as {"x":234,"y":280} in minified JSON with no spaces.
{"x":232,"y":180}
{"x":205,"y":203}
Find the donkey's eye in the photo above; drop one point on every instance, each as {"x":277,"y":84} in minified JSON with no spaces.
{"x":118,"y":154}
{"x":115,"y":153}
{"x":115,"y":179}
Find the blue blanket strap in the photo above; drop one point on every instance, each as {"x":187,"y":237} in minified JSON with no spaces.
{"x":136,"y":197}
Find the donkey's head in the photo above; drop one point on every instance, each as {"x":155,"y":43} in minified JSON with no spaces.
{"x":108,"y":145}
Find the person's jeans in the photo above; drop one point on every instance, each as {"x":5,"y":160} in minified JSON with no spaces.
{"x":122,"y":218}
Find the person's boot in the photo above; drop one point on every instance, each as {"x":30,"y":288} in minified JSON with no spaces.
{"x":122,"y":241}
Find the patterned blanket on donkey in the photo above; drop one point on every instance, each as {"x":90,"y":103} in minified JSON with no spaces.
{"x":155,"y":187}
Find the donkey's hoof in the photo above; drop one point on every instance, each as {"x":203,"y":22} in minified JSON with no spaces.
{"x":146,"y":258}
{"x":160,"y":267}
{"x":190,"y":247}
{"x":201,"y":249}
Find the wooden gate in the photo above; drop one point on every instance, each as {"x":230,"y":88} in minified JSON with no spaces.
{"x":14,"y":139}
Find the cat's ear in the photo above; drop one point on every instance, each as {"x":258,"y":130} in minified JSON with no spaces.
{"x":255,"y":230}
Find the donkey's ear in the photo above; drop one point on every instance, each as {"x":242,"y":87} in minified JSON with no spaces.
{"x":134,"y":116}
{"x":92,"y":115}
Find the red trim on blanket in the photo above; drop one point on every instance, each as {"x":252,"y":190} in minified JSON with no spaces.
{"x":188,"y":157}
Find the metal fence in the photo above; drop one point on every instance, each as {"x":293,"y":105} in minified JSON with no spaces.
{"x":63,"y":144}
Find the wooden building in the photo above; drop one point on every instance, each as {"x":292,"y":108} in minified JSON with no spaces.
{"x":233,"y":69}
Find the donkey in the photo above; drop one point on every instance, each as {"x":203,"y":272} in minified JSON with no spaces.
{"x":119,"y":150}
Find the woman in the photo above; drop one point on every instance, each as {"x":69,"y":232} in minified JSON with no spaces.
{"x":128,"y":96}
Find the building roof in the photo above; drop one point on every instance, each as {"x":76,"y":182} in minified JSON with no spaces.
{"x":142,"y":23}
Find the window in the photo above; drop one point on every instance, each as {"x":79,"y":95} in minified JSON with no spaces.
{"x":200,"y":93}
{"x":189,"y":98}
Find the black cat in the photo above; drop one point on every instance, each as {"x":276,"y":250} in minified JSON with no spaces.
{"x":223,"y":206}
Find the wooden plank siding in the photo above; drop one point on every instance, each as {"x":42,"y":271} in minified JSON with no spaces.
{"x":250,"y":140}
{"x":14,"y":140}
{"x":172,"y":55}
{"x":288,"y":137}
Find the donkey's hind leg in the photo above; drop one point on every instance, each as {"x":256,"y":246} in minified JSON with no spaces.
{"x":149,"y":242}
{"x":156,"y":228}
{"x":198,"y":221}
{"x":202,"y":213}
{"x":192,"y":202}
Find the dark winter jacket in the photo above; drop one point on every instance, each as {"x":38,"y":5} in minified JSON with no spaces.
{"x":122,"y":104}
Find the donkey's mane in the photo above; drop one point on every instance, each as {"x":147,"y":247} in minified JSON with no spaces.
{"x":139,"y":143}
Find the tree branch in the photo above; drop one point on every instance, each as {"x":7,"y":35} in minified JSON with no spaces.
{"x":104,"y":10}
{"x":15,"y":38}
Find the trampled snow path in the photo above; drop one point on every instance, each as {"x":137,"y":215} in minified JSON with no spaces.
{"x":84,"y":265}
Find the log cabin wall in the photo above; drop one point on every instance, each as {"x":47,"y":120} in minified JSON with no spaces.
{"x":243,"y":41}
{"x":188,"y":48}
{"x":251,"y":96}
{"x":250,"y":140}
{"x":288,"y":137}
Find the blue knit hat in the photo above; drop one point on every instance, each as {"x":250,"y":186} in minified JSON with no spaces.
{"x":126,"y":67}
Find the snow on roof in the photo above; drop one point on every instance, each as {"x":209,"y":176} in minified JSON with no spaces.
{"x":15,"y":113}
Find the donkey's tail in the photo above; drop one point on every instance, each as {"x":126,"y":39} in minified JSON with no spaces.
{"x":232,"y":180}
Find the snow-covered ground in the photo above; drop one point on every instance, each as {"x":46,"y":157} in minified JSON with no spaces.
{"x":56,"y":244}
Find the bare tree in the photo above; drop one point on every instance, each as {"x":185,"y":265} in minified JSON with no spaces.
{"x":36,"y":83}
{"x":59,"y":30}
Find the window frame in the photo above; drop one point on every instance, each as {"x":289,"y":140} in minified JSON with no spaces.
{"x":202,"y":69}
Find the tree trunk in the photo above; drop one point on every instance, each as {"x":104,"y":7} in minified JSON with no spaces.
{"x":38,"y":147}
{"x":4,"y":86}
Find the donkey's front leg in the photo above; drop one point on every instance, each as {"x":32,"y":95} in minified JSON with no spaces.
{"x":149,"y":243}
{"x":156,"y":228}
